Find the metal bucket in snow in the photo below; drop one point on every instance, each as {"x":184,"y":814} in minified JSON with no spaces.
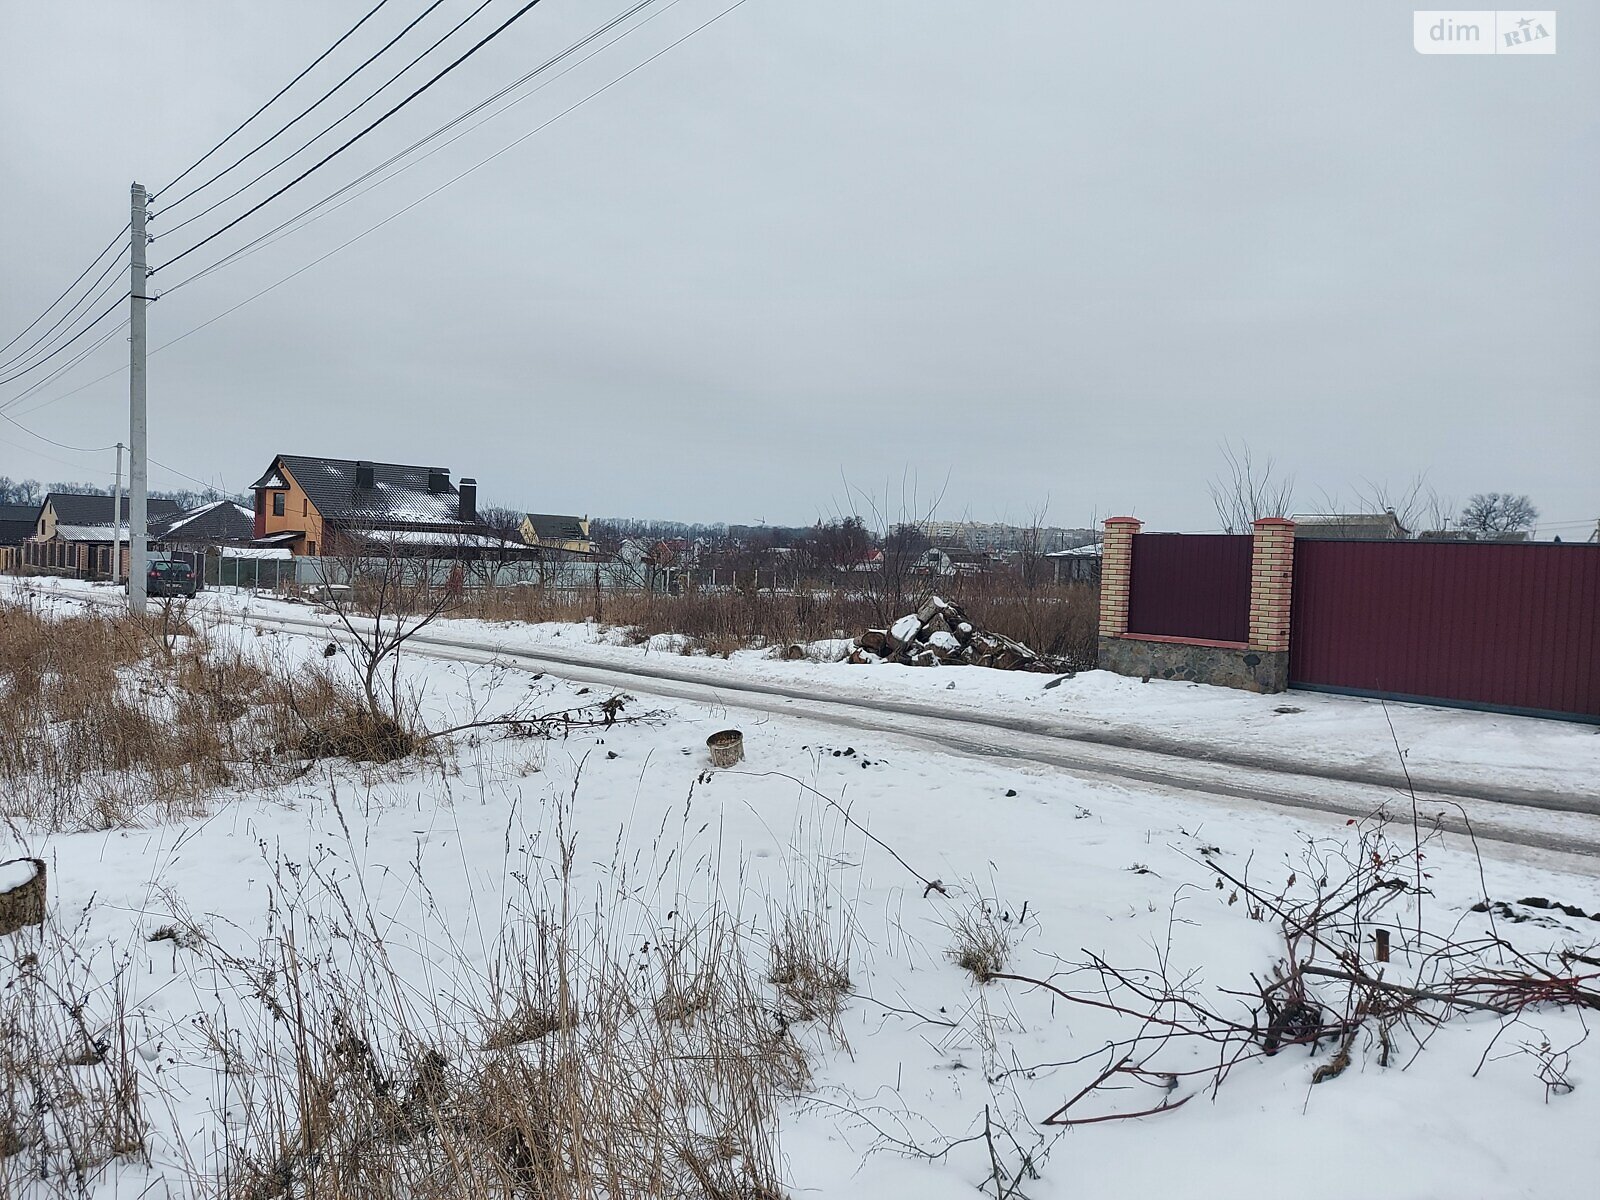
{"x":727,"y":747}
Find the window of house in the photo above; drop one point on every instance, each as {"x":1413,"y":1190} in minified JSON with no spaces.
{"x":277,"y":504}
{"x":311,"y":549}
{"x":305,"y":506}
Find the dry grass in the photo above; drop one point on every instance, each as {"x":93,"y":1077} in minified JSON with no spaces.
{"x":110,"y":720}
{"x":584,"y":1067}
{"x":1059,"y":620}
{"x":983,"y":941}
{"x":70,"y":1096}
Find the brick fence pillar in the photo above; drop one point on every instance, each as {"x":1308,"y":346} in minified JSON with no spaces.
{"x":1116,"y":574}
{"x":1271,"y":585}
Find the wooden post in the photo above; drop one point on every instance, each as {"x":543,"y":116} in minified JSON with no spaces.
{"x":1383,"y":945}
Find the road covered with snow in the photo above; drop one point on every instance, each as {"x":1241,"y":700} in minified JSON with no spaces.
{"x":933,"y":1081}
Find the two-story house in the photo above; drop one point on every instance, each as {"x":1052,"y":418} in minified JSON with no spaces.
{"x":330,"y":506}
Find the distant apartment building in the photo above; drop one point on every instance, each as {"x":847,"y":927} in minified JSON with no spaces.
{"x":995,"y":536}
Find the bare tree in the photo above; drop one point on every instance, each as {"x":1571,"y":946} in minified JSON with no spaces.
{"x":1494,"y":514}
{"x":386,"y":596}
{"x":1416,"y":505}
{"x":1248,"y":490}
{"x":1032,"y":551}
{"x":897,"y":587}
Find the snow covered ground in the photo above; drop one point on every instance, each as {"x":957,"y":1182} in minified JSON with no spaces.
{"x":1300,"y":730}
{"x":1070,"y":867}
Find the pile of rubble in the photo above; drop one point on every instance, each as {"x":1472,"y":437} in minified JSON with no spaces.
{"x":939,"y":633}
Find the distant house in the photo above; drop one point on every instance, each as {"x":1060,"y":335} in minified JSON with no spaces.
{"x":220,"y":523}
{"x":73,"y":534}
{"x":557,"y":533}
{"x":17,"y":523}
{"x":1081,"y":564}
{"x":329,"y":506}
{"x":1472,"y":535}
{"x":937,"y":560}
{"x":867,"y":558}
{"x":1384,"y":526}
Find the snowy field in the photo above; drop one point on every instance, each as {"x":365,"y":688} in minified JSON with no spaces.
{"x":930,"y":1082}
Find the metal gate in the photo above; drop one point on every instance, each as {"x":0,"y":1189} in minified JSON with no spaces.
{"x":1513,"y":627}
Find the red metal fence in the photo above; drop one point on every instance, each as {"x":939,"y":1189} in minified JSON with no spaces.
{"x":1512,"y":626}
{"x":1191,"y":586}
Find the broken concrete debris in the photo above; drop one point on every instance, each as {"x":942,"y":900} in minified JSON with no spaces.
{"x":941,"y":634}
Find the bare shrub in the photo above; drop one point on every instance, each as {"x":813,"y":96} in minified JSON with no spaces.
{"x":106,"y":723}
{"x":983,"y":941}
{"x":597,"y":1057}
{"x":70,"y":1100}
{"x":809,"y":949}
{"x":1059,"y":620}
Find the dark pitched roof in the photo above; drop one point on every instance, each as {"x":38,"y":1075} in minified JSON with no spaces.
{"x":557,"y":529}
{"x":219,"y":521}
{"x":17,"y":523}
{"x":398,"y":495}
{"x":73,"y":509}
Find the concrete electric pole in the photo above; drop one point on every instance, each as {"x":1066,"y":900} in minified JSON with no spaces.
{"x":116,"y":522}
{"x":138,"y":484}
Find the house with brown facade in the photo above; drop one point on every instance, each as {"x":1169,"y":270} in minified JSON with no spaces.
{"x":329,"y":506}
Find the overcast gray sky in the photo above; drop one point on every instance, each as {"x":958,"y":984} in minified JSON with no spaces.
{"x":1021,"y":252}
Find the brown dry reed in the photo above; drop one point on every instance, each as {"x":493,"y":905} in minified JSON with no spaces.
{"x":108,"y":720}
{"x":1054,"y":619}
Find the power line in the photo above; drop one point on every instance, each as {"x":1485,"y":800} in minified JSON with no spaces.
{"x":219,"y":486}
{"x":53,"y":442}
{"x":81,"y":387}
{"x":462,"y":175}
{"x":39,"y":363}
{"x":270,"y":237}
{"x":88,"y":298}
{"x":179,"y":179}
{"x":482,"y":42}
{"x":51,"y":458}
{"x":284,"y":128}
{"x":111,"y":246}
{"x":40,"y":384}
{"x":420,"y":200}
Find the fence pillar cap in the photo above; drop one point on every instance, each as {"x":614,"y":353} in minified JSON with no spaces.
{"x":1123,"y":521}
{"x":1279,"y":522}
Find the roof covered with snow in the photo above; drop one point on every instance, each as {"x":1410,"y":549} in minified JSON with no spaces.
{"x":219,"y":521}
{"x":1091,"y":551}
{"x":398,"y":494}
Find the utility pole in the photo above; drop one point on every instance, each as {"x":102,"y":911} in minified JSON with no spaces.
{"x":116,"y":523}
{"x":138,"y":484}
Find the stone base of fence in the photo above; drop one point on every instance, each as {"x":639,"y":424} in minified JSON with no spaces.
{"x":1196,"y":662}
{"x":1258,"y":665}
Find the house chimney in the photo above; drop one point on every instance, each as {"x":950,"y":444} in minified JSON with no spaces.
{"x":363,"y":475}
{"x":469,"y":500}
{"x":438,"y":480}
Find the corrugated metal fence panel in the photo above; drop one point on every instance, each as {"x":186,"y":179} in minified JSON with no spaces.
{"x":1501,"y":625}
{"x":1191,"y":585}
